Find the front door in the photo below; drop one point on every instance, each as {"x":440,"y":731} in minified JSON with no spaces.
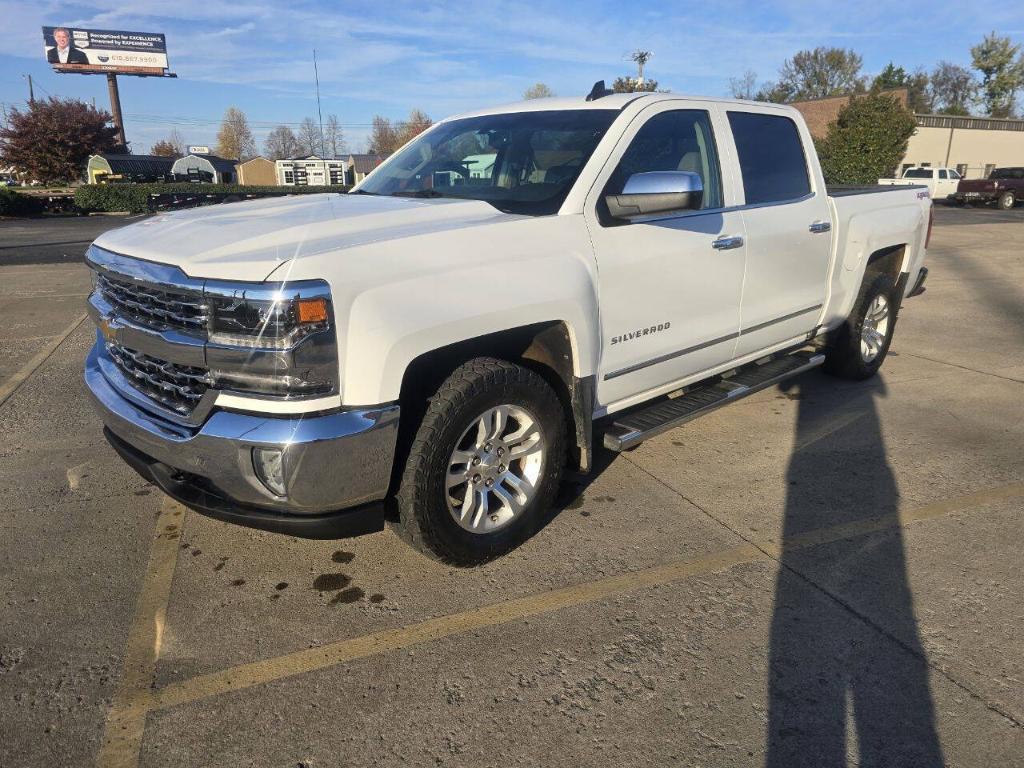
{"x":669,"y":284}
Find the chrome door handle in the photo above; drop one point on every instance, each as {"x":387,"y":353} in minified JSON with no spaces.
{"x":820,"y":226}
{"x":728,"y":243}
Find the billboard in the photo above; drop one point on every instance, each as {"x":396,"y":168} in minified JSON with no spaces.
{"x":70,"y":49}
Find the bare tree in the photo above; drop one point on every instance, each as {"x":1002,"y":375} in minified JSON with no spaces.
{"x":234,"y":139}
{"x":310,"y":138}
{"x":538,"y":91}
{"x":334,"y":137}
{"x":744,"y":87}
{"x":172,"y":146}
{"x":281,"y":144}
{"x":953,"y":89}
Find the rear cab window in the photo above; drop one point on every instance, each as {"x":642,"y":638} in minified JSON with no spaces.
{"x":771,"y":156}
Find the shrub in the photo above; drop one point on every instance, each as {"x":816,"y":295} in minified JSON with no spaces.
{"x":867,"y":141}
{"x":14,"y":204}
{"x":142,"y":198}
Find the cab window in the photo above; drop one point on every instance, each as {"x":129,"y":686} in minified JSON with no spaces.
{"x":771,"y":157}
{"x":679,"y":140}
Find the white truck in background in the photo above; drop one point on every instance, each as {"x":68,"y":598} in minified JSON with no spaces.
{"x":941,"y":182}
{"x":512,"y":286}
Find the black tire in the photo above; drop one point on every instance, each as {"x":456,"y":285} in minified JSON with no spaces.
{"x":474,"y":387}
{"x":1006,"y":201}
{"x":843,"y":357}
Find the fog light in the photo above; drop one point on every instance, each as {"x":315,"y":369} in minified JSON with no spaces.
{"x":269,"y":466}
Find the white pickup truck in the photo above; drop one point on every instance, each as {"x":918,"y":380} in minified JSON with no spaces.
{"x":437,"y":346}
{"x":941,"y":182}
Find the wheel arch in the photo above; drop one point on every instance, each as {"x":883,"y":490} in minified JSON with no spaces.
{"x":549,"y":348}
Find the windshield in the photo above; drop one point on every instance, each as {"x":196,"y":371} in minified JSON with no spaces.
{"x":524,"y":162}
{"x":918,"y":173}
{"x":1007,"y":173}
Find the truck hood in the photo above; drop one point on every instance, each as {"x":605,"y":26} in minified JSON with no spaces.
{"x":249,"y":240}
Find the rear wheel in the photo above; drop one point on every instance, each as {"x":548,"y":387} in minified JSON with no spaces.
{"x":1007,"y":200}
{"x":485,"y":464}
{"x":859,"y":346}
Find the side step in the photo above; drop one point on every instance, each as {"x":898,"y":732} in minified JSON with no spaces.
{"x":631,"y":429}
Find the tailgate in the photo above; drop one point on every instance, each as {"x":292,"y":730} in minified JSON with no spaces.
{"x":975,"y":185}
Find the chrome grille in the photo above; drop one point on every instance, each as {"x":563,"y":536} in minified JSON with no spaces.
{"x":178,"y":387}
{"x":157,"y":307}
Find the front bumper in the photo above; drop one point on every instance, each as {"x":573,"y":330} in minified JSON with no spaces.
{"x":334,"y":461}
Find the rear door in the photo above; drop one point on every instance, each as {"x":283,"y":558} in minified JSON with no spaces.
{"x":669,"y":284}
{"x":788,"y":228}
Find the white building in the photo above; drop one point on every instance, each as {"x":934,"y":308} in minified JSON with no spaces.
{"x":311,"y":171}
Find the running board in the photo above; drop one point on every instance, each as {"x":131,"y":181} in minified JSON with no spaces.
{"x":631,"y":429}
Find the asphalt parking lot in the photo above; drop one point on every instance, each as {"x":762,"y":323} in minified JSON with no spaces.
{"x":824,"y":574}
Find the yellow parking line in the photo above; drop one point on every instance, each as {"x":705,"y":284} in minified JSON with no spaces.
{"x":122,"y":736}
{"x":10,"y":386}
{"x":289,"y":665}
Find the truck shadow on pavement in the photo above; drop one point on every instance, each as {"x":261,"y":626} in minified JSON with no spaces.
{"x":844,"y":652}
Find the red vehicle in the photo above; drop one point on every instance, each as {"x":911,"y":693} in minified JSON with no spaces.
{"x":1005,"y":187}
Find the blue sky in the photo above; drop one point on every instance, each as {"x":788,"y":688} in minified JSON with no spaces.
{"x":387,"y":57}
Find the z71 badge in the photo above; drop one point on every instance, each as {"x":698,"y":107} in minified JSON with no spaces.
{"x":640,"y":332}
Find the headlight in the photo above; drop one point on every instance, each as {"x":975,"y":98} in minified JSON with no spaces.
{"x":277,"y":323}
{"x":272,"y":338}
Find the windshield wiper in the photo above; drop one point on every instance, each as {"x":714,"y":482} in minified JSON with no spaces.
{"x":362,"y":192}
{"x":418,"y":193}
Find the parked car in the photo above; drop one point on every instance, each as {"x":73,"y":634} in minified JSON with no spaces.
{"x":627,"y":263}
{"x":1004,"y":187}
{"x":941,"y":182}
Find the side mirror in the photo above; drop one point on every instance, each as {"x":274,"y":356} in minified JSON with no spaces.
{"x":656,"y":192}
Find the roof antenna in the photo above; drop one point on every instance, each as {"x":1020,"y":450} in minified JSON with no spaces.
{"x":599,"y":90}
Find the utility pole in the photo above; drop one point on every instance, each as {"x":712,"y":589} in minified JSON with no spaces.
{"x":31,"y":93}
{"x":115,"y":108}
{"x":641,"y":58}
{"x":319,"y":113}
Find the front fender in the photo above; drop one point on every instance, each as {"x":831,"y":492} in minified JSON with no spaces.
{"x":545,"y":275}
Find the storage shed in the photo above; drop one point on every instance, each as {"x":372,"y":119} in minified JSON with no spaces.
{"x":205,"y":168}
{"x":102,"y":169}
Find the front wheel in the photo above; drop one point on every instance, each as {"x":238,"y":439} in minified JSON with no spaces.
{"x":1007,"y":200}
{"x":485,"y":463}
{"x":859,"y":346}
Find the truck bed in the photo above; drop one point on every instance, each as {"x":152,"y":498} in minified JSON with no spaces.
{"x":847,"y":190}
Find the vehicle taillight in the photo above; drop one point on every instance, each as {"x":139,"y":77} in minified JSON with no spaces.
{"x":931,"y":218}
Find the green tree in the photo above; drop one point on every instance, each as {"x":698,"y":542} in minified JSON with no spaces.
{"x":1002,"y":73}
{"x":953,"y":89}
{"x":538,"y":91}
{"x":818,"y":74}
{"x":633,"y":85}
{"x":867,"y":141}
{"x":234,"y":139}
{"x":919,"y":98}
{"x":52,"y":139}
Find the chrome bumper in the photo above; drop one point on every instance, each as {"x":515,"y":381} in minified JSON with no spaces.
{"x":333,"y":461}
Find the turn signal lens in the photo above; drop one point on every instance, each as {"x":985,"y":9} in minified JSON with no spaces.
{"x":312,"y":311}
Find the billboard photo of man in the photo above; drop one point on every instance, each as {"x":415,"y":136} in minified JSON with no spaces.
{"x":65,"y":52}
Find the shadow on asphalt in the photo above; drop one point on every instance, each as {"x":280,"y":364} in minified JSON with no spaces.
{"x":831,"y":667}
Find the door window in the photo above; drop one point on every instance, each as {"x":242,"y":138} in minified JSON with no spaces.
{"x":942,"y":175}
{"x":680,"y":140}
{"x":771,"y":157}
